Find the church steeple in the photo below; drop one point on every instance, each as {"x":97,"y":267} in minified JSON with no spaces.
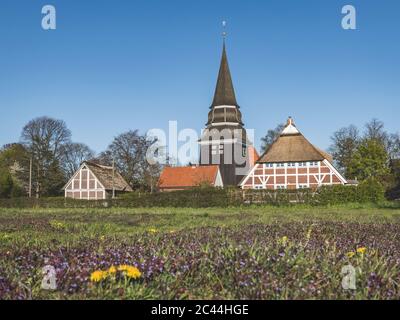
{"x":224,"y":91}
{"x":224,"y":141}
{"x":224,"y":108}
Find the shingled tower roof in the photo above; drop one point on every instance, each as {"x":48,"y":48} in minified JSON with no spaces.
{"x":224,"y":128}
{"x":224,"y":108}
{"x":224,"y":91}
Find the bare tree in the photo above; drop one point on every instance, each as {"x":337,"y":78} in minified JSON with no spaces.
{"x":344,"y":144}
{"x":73,"y":156}
{"x":45,"y":139}
{"x":271,"y":136}
{"x":151,"y":170}
{"x":375,"y":130}
{"x":128,"y":150}
{"x":393,"y":146}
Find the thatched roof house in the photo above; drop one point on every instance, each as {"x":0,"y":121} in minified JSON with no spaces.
{"x":292,"y":162}
{"x":292,"y":146}
{"x":93,"y":181}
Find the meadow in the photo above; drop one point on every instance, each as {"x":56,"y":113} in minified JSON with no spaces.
{"x":264,"y":252}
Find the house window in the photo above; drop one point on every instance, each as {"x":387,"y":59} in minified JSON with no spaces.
{"x":280,"y":165}
{"x":303,"y":186}
{"x":291,"y":164}
{"x":281,"y":187}
{"x":314,"y":164}
{"x":259,"y":187}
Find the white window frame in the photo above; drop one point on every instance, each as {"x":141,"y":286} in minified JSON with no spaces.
{"x":303,"y":186}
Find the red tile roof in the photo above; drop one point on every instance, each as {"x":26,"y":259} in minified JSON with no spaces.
{"x":176,"y":177}
{"x":253,"y":155}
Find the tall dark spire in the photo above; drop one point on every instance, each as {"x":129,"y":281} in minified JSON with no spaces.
{"x":224,"y":92}
{"x":224,"y":140}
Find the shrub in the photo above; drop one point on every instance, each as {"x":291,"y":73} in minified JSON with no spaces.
{"x":370,"y":191}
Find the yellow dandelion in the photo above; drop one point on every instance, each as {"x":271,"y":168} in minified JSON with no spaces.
{"x":133,"y":273}
{"x":361,"y":250}
{"x":308,"y":235}
{"x":112,"y":270}
{"x":98,"y":276}
{"x":130,"y":271}
{"x":350,"y":254}
{"x":284,"y":240}
{"x":123,"y":267}
{"x":152,"y":230}
{"x":57,"y":225}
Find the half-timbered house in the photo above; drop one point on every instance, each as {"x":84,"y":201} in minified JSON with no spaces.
{"x":93,"y":181}
{"x":292,"y":162}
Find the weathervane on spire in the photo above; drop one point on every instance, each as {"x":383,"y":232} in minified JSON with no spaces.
{"x":224,"y":29}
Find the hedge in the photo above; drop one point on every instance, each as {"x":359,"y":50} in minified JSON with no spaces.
{"x":369,"y":191}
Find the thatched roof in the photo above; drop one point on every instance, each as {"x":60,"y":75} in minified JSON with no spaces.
{"x":105,"y":175}
{"x":292,"y":146}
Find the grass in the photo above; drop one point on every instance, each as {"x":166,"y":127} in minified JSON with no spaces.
{"x":295,"y":252}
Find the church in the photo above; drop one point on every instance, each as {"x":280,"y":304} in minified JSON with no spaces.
{"x":224,"y":140}
{"x":291,"y":162}
{"x":223,"y":143}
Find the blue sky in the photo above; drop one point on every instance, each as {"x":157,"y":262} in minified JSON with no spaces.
{"x":112,"y":66}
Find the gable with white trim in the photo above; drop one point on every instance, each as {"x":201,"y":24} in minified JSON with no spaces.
{"x":84,"y":185}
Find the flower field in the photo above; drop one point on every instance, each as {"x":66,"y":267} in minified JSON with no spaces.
{"x":251,"y":253}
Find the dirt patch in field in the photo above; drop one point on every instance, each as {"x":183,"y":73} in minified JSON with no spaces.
{"x":138,"y":219}
{"x":20,"y":224}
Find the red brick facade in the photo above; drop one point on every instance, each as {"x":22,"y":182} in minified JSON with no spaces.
{"x":292,"y":175}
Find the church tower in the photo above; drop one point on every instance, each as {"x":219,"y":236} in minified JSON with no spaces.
{"x":224,"y":140}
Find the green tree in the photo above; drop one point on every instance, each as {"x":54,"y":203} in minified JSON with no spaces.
{"x":6,"y":183}
{"x":369,"y":160}
{"x":15,"y":159}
